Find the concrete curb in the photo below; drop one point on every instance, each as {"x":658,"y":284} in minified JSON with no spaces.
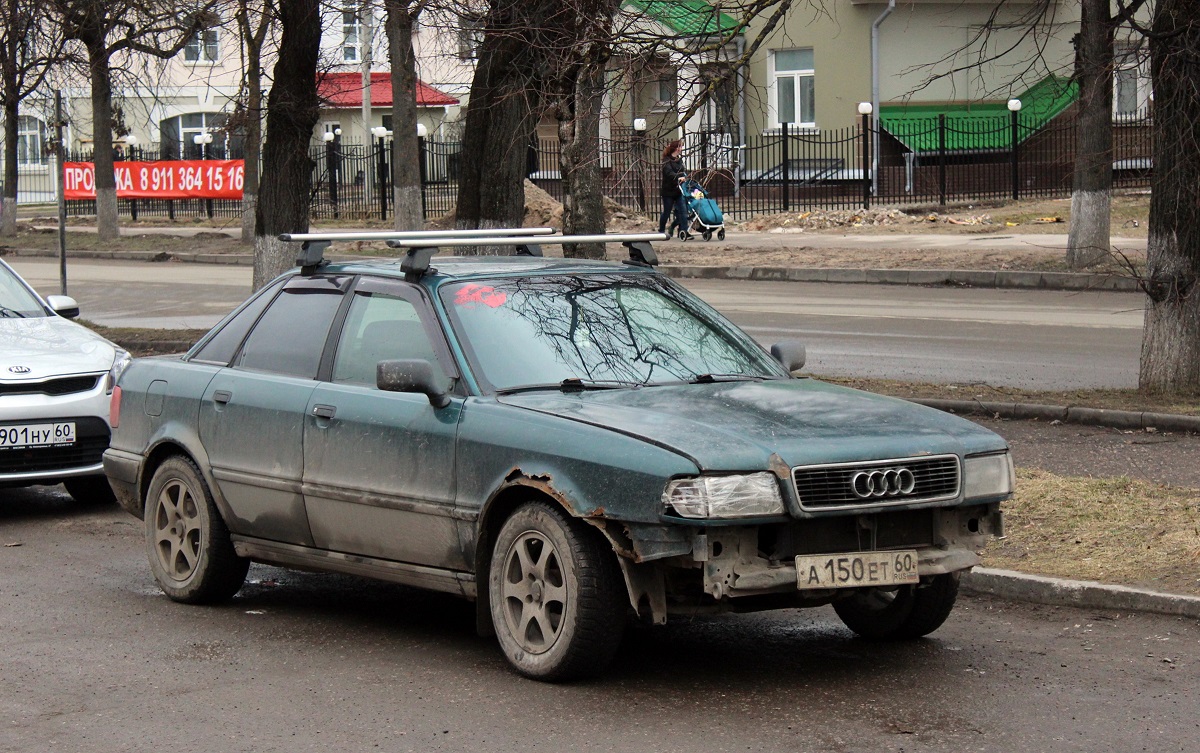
{"x":1117,"y":419}
{"x":965,"y":277}
{"x":1038,"y":589}
{"x":973,"y":278}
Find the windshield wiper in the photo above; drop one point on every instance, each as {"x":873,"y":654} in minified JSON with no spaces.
{"x":570,"y":384}
{"x":7,"y":312}
{"x":711,"y":378}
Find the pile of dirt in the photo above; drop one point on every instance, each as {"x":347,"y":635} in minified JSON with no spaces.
{"x":541,"y":209}
{"x":798,"y":222}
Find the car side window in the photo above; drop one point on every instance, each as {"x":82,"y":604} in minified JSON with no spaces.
{"x":379,"y":326}
{"x":221,"y":346}
{"x":290,"y":337}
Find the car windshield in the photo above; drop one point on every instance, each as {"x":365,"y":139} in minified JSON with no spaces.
{"x":15,"y":299}
{"x":596,"y":331}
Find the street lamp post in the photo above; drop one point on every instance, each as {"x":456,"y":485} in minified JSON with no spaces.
{"x":639,"y":155}
{"x":1014,"y":109}
{"x":382,"y":134}
{"x":865,"y":109}
{"x":331,"y":168}
{"x":422,"y":132}
{"x":130,"y":141}
{"x":202,"y":140}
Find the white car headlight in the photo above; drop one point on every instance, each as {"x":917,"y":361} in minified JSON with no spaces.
{"x":988,"y":475}
{"x":751,"y":495}
{"x":121,"y":361}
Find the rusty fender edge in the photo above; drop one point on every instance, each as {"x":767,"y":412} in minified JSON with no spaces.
{"x":635,"y":544}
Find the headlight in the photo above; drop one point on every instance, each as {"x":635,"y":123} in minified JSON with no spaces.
{"x":121,"y":361}
{"x":752,"y":495}
{"x":988,"y":475}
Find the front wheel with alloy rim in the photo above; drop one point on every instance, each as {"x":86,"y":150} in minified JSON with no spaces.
{"x":191,"y":555}
{"x":907,"y":612}
{"x":556,"y":596}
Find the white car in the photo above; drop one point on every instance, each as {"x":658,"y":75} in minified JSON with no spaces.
{"x":56,"y":382}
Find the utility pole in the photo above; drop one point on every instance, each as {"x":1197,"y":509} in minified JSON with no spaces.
{"x":366,"y":32}
{"x":60,"y":152}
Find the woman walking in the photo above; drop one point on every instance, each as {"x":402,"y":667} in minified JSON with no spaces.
{"x":673,"y":176}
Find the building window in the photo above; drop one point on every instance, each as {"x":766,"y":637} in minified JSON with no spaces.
{"x":177,"y":136}
{"x":350,"y":31}
{"x":666,"y":90}
{"x":1130,"y":87}
{"x":792,"y":89}
{"x":32,"y":135}
{"x":470,"y":35}
{"x":203,"y":47}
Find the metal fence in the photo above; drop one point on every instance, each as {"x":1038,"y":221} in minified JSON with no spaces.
{"x":925,"y":162}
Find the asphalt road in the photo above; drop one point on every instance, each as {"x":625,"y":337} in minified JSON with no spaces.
{"x":1021,"y":338}
{"x":96,"y":660}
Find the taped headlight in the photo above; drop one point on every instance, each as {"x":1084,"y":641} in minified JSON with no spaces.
{"x":752,"y":495}
{"x":988,"y":475}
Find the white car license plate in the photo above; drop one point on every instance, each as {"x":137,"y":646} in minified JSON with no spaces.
{"x":58,"y":434}
{"x":857,"y":569}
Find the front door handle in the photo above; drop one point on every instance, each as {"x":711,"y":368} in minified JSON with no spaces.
{"x":222,"y":396}
{"x":324,"y":411}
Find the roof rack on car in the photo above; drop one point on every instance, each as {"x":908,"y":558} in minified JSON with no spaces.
{"x":416,"y":262}
{"x":313,"y":245}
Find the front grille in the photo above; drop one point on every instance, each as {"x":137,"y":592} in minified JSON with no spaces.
{"x":61,"y":386}
{"x":91,"y":440}
{"x":832,"y":486}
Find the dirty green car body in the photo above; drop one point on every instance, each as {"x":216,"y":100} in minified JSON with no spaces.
{"x":393,"y":487}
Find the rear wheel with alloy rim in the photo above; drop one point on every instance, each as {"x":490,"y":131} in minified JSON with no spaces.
{"x":555,"y":594}
{"x":191,"y":555}
{"x":907,"y":612}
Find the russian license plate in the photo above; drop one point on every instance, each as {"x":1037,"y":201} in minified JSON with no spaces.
{"x":857,"y":569}
{"x":58,"y":434}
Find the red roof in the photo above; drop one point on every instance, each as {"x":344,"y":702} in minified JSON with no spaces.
{"x":343,"y":90}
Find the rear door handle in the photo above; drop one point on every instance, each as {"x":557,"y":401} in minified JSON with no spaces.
{"x":324,"y":411}
{"x":222,"y":396}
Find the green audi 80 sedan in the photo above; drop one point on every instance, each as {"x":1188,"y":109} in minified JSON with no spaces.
{"x":572,"y":445}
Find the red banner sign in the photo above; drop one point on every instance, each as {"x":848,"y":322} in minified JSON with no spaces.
{"x":182,"y":179}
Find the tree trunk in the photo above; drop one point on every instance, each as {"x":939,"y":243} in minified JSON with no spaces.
{"x":292,"y":112}
{"x":406,"y":148}
{"x":8,"y":204}
{"x":253,"y":138}
{"x":579,"y":139}
{"x":1089,"y":239}
{"x":102,"y":141}
{"x":506,"y":100}
{"x":1171,"y":341}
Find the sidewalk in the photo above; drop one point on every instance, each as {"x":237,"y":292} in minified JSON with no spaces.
{"x":900,"y":258}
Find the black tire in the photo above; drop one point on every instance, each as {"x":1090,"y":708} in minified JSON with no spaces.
{"x":90,"y":490}
{"x":721,"y":234}
{"x":191,"y":555}
{"x":707,"y":235}
{"x":910,"y":612}
{"x":557,"y":599}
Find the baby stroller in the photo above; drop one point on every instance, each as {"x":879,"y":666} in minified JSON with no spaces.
{"x":704,"y":216}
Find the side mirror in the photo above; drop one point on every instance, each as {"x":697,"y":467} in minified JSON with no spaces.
{"x":63,"y":305}
{"x":790,"y":353}
{"x":412,"y":375}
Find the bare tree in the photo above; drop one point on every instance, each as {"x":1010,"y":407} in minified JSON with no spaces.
{"x":399,"y":25}
{"x":255,"y":18}
{"x":29,"y":44}
{"x":106,"y":28}
{"x":293,"y":109}
{"x":1170,"y":360}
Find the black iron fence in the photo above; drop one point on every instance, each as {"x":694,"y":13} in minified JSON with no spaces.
{"x":924,"y":162}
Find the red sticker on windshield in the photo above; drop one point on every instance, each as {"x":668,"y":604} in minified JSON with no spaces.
{"x":485,"y":294}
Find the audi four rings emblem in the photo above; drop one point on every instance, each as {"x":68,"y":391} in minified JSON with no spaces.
{"x":891,"y":482}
